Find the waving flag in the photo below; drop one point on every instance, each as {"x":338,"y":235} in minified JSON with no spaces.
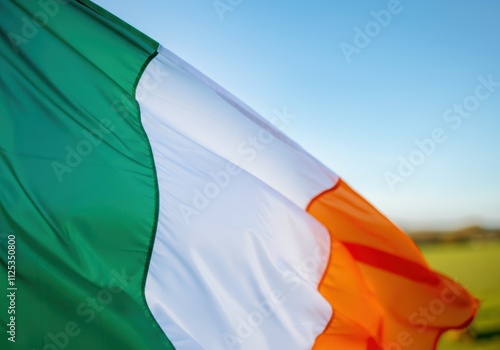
{"x":142,"y":206}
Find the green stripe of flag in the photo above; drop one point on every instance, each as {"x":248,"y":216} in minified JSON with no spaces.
{"x":78,"y":184}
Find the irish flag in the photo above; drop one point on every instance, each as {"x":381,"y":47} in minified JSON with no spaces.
{"x":142,"y":206}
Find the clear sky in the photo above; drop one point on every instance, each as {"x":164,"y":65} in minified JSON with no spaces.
{"x":365,"y":80}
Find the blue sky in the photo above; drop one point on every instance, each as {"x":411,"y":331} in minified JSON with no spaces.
{"x":365,"y":80}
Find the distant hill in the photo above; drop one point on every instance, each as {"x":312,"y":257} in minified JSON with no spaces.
{"x":466,"y":234}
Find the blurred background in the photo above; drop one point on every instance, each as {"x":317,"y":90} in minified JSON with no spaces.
{"x":400,"y":98}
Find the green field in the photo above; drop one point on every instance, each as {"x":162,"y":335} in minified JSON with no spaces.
{"x":477,"y":267}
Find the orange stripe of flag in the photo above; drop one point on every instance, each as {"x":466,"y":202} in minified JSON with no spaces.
{"x":383,"y":293}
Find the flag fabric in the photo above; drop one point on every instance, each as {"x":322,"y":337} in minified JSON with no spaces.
{"x":142,"y":206}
